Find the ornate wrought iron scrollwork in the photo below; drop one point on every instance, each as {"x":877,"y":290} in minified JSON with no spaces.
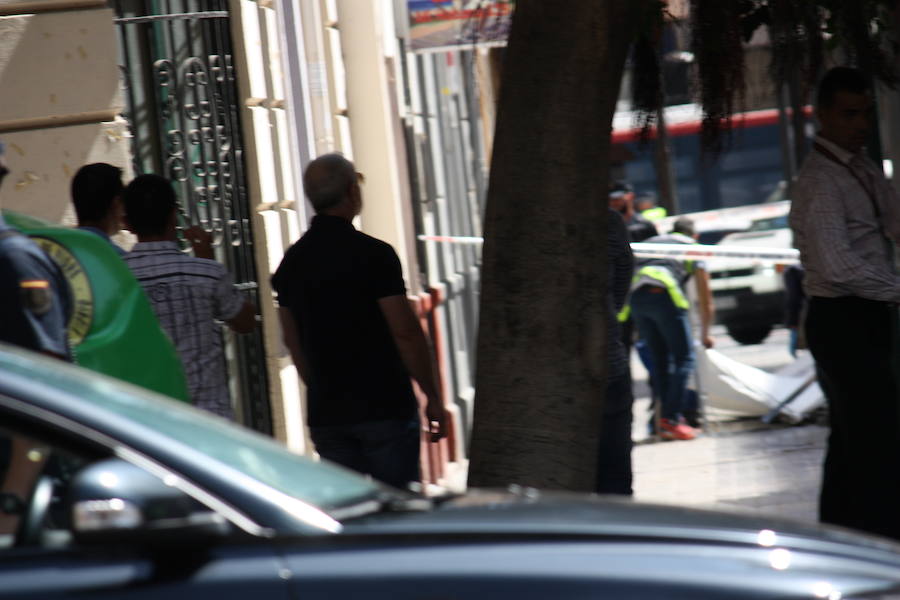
{"x":199,"y":148}
{"x":183,"y":112}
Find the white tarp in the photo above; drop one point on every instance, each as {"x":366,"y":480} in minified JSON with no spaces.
{"x":733,"y":387}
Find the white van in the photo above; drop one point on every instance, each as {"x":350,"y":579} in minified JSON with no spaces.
{"x":749,"y":295}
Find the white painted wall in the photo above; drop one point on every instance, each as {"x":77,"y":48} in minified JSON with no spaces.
{"x":59,"y":97}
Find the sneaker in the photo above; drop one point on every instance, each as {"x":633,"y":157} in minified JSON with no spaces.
{"x":692,"y":418}
{"x":676,"y":431}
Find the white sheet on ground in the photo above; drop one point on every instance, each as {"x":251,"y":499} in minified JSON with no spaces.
{"x":734,"y":387}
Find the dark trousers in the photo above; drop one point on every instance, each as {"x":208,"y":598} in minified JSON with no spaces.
{"x":666,"y":329}
{"x":614,"y":452}
{"x":852,"y":340}
{"x":386,"y":450}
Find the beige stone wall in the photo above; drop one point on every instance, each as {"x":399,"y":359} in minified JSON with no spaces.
{"x":272,"y":192}
{"x":59,"y":97}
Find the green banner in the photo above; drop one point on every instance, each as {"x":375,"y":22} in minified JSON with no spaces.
{"x":112,"y":329}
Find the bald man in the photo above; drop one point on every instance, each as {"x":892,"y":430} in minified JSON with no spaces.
{"x":354,"y":337}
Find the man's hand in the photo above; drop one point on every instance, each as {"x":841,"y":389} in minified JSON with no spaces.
{"x":708,"y":341}
{"x":201,"y":241}
{"x":436,"y":419}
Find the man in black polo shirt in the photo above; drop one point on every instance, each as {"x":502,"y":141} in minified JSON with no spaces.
{"x":354,"y":336}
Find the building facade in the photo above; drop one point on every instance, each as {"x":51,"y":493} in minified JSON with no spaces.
{"x":230,"y":99}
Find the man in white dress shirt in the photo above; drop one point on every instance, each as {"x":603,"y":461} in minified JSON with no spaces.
{"x":845,"y":217}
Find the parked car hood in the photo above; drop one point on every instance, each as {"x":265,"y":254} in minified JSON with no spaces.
{"x":531,"y":513}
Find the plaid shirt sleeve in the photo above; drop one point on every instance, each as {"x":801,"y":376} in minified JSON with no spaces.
{"x":228,"y":300}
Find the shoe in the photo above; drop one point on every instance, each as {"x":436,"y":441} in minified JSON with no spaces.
{"x":675,"y":431}
{"x":692,"y":418}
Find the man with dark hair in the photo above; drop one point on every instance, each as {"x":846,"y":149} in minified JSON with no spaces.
{"x":844,"y":216}
{"x":659,"y":306}
{"x":353,"y":335}
{"x":639,"y":228}
{"x":621,"y":200}
{"x":97,"y":197}
{"x":35,"y":301}
{"x":188,"y":294}
{"x":838,"y":82}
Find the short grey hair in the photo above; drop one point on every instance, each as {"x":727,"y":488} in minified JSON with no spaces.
{"x":327,"y":180}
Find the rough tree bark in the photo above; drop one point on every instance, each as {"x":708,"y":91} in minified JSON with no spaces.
{"x":541,"y":347}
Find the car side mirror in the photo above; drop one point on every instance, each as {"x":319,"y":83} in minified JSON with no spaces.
{"x":113,"y":501}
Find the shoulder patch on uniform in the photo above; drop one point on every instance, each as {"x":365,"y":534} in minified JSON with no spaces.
{"x":82,"y":317}
{"x":34,"y":284}
{"x":36,"y":295}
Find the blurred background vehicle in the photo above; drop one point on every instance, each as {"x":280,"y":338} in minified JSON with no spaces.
{"x":748,"y":294}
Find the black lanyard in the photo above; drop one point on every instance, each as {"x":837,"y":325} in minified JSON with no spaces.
{"x":872,"y":198}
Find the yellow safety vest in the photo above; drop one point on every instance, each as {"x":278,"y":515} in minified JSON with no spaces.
{"x":657,"y":213}
{"x":666,"y":280}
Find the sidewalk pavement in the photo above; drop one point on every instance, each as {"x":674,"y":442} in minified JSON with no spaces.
{"x":736,"y":465}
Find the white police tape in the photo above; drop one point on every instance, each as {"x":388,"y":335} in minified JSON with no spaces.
{"x":452,"y":239}
{"x":782,"y":256}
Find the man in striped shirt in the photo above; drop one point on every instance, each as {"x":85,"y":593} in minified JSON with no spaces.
{"x":189,"y":294}
{"x":844,"y":215}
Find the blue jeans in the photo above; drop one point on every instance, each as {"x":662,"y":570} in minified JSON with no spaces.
{"x":386,"y":450}
{"x":666,"y":329}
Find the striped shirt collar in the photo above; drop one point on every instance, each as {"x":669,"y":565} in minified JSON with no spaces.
{"x":155,"y":246}
{"x":842,"y":155}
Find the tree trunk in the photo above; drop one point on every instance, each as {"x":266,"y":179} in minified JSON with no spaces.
{"x":542,"y":331}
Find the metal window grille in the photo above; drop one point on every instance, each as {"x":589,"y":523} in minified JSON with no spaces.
{"x":183,"y":112}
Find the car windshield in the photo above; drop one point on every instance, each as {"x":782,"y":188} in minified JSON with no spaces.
{"x":317,"y":483}
{"x":262,"y":458}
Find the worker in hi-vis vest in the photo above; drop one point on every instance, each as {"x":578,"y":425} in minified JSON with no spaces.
{"x":646,"y":205}
{"x":660,"y":309}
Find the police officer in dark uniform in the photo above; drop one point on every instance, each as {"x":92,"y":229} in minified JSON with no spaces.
{"x":35,"y":303}
{"x":35,"y":300}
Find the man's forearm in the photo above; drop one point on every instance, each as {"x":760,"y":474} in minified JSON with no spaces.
{"x":292,"y":341}
{"x":299,"y":361}
{"x":707,"y":317}
{"x":417,"y":358}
